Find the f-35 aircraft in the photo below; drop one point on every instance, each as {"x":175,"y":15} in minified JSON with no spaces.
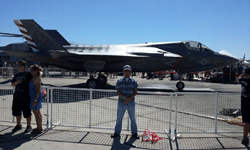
{"x":183,"y":56}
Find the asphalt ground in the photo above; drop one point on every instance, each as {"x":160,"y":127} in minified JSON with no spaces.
{"x":99,"y":139}
{"x":155,"y":84}
{"x":75,"y":138}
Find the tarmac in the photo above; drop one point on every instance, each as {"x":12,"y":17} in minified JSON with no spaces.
{"x":99,"y":139}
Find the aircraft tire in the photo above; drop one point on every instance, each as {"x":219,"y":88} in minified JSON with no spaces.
{"x":180,"y":85}
{"x":102,"y":80}
{"x":92,"y":83}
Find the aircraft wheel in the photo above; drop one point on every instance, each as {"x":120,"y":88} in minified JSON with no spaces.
{"x":180,"y":85}
{"x":92,"y":83}
{"x":102,"y":80}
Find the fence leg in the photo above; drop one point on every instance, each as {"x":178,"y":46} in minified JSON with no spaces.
{"x":47,"y":108}
{"x":90,"y":105}
{"x":175,"y":130}
{"x":13,"y":119}
{"x":51,"y":101}
{"x":170,"y":116}
{"x":216,"y":111}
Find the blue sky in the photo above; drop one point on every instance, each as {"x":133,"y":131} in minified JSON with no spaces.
{"x":218,"y":24}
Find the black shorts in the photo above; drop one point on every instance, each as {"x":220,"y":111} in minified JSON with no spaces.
{"x":245,"y":103}
{"x":21,"y":105}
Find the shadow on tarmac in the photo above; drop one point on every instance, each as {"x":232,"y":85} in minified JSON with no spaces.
{"x":7,"y":81}
{"x":125,"y":146}
{"x":12,"y":141}
{"x":205,"y":143}
{"x":84,"y":85}
{"x":67,"y":96}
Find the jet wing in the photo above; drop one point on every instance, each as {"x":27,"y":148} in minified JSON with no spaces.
{"x":114,"y":51}
{"x":125,"y":51}
{"x":114,"y":57}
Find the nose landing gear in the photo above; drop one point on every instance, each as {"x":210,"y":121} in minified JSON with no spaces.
{"x":180,"y":85}
{"x":93,"y":83}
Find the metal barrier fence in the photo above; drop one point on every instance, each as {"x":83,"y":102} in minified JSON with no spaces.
{"x":6,"y":96}
{"x":157,"y":111}
{"x":98,"y":109}
{"x":206,"y":112}
{"x":6,"y":99}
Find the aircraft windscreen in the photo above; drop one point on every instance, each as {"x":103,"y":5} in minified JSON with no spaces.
{"x":206,"y":49}
{"x":192,"y":45}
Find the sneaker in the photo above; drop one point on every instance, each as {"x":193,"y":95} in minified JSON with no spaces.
{"x":37,"y":131}
{"x":28,"y":129}
{"x":17,"y":127}
{"x":245,"y":141}
{"x":136,"y":136}
{"x":115,"y":135}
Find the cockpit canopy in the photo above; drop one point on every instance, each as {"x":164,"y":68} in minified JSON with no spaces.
{"x":196,"y":46}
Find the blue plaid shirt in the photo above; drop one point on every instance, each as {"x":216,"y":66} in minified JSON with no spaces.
{"x":126,"y":87}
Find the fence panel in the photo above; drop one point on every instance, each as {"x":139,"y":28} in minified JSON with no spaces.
{"x":70,"y":107}
{"x":152,"y":111}
{"x":195,"y":112}
{"x":76,"y":107}
{"x":228,"y":108}
{"x":202,"y":112}
{"x":104,"y":110}
{"x":6,"y":98}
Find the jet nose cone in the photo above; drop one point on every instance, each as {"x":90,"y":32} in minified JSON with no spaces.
{"x":221,"y":60}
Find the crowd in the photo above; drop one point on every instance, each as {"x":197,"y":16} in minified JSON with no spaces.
{"x":28,"y":96}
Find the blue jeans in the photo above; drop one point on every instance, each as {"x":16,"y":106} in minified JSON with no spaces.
{"x":121,"y":108}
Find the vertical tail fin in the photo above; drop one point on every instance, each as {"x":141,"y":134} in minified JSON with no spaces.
{"x":37,"y":37}
{"x":57,"y":36}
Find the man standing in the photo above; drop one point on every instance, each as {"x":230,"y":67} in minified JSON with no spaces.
{"x":126,"y":90}
{"x":244,"y":80}
{"x":21,"y":98}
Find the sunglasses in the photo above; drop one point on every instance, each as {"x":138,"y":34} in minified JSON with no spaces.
{"x":127,"y":71}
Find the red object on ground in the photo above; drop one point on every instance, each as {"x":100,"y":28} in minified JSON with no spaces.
{"x":150,"y":136}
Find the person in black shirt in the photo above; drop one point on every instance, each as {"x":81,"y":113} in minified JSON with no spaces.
{"x":244,"y":80}
{"x":21,"y":98}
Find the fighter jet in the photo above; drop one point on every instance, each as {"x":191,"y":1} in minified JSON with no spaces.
{"x":182,"y":56}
